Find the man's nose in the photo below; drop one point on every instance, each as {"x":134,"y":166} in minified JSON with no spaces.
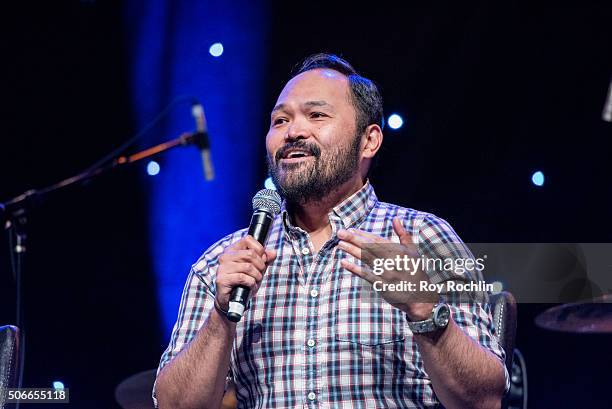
{"x":298,"y":129}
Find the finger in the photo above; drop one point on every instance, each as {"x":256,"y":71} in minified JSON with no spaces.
{"x":254,"y":272}
{"x":250,"y":256}
{"x":361,"y":238}
{"x":232,"y":280}
{"x":405,"y":237}
{"x":358,"y":270}
{"x":368,"y":237}
{"x":351,"y":237}
{"x":269,"y":256}
{"x":253,"y":244}
{"x":350,"y":248}
{"x":239,"y":245}
{"x":245,"y":280}
{"x":245,"y":268}
{"x":366,"y":257}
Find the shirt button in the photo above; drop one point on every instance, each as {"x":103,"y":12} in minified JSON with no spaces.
{"x":311,"y":342}
{"x":305,"y":251}
{"x":312,"y":396}
{"x":314,"y":293}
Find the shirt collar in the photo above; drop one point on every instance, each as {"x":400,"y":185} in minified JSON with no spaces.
{"x":351,"y":211}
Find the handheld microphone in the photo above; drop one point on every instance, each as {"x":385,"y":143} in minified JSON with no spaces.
{"x":266,"y":205}
{"x":201,"y":140}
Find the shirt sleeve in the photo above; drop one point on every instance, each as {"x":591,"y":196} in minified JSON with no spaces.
{"x":197,"y":301}
{"x":437,"y":239}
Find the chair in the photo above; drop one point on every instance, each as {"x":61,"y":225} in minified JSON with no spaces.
{"x":503,"y":307}
{"x":9,"y":360}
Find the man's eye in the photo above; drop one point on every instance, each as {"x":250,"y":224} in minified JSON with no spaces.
{"x":279,"y":121}
{"x":317,"y":115}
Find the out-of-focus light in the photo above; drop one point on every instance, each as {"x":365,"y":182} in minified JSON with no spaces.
{"x":538,"y":178}
{"x":216,"y":50}
{"x":498,"y":287}
{"x":153,"y":168}
{"x":268,"y":184}
{"x":58,"y":385}
{"x":395,"y":121}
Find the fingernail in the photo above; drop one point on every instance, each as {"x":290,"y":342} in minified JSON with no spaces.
{"x":342,"y":233}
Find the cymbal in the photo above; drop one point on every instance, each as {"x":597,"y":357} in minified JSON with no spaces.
{"x":135,"y":392}
{"x":593,"y":316}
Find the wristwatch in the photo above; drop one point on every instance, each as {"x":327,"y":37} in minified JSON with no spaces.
{"x":440,"y":316}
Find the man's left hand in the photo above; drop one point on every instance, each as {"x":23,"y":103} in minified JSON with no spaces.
{"x":368,"y":247}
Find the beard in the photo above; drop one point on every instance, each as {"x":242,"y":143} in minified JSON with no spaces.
{"x":310,"y":180}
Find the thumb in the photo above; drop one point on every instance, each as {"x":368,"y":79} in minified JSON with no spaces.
{"x":269,"y":255}
{"x":404,"y":236}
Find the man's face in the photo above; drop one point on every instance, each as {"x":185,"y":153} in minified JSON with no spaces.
{"x":312,"y":143}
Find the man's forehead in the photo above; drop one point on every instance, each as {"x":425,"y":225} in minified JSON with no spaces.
{"x":320,"y":84}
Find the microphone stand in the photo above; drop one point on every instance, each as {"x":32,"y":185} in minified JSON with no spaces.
{"x":14,"y":212}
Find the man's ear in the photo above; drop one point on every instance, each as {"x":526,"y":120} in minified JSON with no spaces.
{"x":372,"y":141}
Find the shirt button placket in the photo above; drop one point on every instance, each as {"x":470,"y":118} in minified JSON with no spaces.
{"x":311,"y":343}
{"x":311,"y":319}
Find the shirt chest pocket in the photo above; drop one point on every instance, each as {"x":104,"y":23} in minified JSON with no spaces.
{"x":363,"y":317}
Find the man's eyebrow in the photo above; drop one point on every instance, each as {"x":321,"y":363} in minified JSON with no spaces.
{"x":279,"y":107}
{"x":317,"y":104}
{"x":308,"y":104}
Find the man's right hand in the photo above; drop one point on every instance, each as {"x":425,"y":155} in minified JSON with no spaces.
{"x":195,"y":378}
{"x":242,"y":263}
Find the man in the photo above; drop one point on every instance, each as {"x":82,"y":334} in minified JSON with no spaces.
{"x":313,"y":335}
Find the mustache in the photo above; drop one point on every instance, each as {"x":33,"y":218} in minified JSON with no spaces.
{"x":311,"y":148}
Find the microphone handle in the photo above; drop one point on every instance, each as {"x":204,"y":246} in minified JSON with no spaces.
{"x":201,"y":140}
{"x":259,"y":228}
{"x":209,"y":170}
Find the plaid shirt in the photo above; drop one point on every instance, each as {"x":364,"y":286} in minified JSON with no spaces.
{"x":311,"y":338}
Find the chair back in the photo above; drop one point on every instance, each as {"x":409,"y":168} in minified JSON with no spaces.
{"x":503,"y":308}
{"x":9,"y":361}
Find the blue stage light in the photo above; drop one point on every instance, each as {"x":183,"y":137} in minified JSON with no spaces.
{"x":216,"y":50}
{"x":58,"y":385}
{"x":395,"y":121}
{"x":268,"y":184}
{"x":538,"y":178}
{"x":153,"y":168}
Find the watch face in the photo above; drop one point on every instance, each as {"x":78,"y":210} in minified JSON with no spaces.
{"x":441,"y":315}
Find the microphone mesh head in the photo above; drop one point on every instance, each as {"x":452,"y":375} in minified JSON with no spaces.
{"x":267,"y":199}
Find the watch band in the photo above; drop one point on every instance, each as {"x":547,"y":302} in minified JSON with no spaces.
{"x":440,"y":316}
{"x":421,"y":327}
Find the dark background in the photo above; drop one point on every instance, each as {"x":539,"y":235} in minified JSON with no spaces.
{"x":489,"y":94}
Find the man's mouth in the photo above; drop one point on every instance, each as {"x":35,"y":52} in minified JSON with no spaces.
{"x":292,"y":155}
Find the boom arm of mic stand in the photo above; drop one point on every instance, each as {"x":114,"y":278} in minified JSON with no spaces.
{"x":185,"y":139}
{"x":17,"y":204}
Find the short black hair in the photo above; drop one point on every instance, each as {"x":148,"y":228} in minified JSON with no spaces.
{"x":365,"y":96}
